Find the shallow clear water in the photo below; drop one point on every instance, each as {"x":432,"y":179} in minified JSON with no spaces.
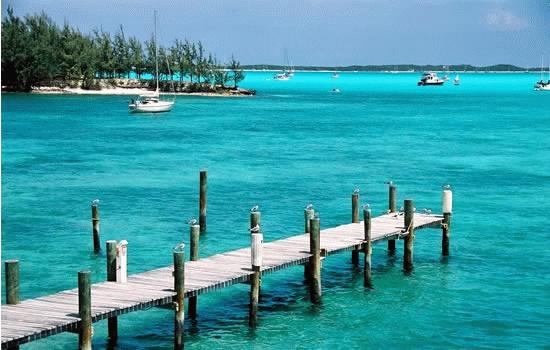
{"x":294,"y":143}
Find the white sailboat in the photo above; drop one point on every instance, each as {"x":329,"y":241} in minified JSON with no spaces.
{"x":152,"y":102}
{"x":288,"y":70}
{"x":541,"y":85}
{"x":456,"y":80}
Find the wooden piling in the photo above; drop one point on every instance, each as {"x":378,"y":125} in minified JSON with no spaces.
{"x":409,"y":239}
{"x":392,"y":207}
{"x":85,"y":310}
{"x":255,"y":217}
{"x":309,"y":213}
{"x":355,"y":219}
{"x":315,"y":261}
{"x":12,"y":281}
{"x":255,"y":279}
{"x":112,"y":322}
{"x":179,"y":287}
{"x":367,"y":248}
{"x":202,"y":200}
{"x":95,"y":226}
{"x":194,"y":231}
{"x":447,"y":206}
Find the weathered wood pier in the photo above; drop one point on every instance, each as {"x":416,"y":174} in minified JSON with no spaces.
{"x":77,"y":309}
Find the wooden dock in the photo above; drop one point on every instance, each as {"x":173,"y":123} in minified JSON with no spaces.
{"x":41,"y":317}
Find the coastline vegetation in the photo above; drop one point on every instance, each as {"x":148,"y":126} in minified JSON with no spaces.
{"x":399,"y":68}
{"x":36,"y":52}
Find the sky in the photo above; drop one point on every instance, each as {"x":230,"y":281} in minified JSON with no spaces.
{"x":327,"y":32}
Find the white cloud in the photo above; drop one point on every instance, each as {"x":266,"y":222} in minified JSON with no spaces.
{"x":503,"y":20}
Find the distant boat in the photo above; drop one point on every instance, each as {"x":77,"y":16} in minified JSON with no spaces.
{"x":541,"y":85}
{"x":335,"y":91}
{"x":456,"y":80}
{"x":430,"y":78}
{"x":288,"y":70}
{"x":335,"y":75}
{"x":151,"y":102}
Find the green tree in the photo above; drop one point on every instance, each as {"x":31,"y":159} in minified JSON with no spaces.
{"x":237,"y":74}
{"x":121,"y":54}
{"x":137,"y":56}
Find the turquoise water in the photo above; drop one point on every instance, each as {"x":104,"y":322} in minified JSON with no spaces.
{"x":294,"y":143}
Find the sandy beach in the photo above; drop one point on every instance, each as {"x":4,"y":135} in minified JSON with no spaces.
{"x":118,"y":91}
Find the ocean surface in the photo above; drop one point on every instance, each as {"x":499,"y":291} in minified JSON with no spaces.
{"x":295,"y":143}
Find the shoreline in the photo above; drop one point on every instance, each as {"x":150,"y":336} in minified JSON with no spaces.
{"x":118,"y":91}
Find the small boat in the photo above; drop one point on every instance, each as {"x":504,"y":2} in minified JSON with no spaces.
{"x":152,"y":103}
{"x":282,"y":76}
{"x":456,"y":80}
{"x":430,"y":78}
{"x":541,"y":85}
{"x":335,"y":91}
{"x":335,"y":76}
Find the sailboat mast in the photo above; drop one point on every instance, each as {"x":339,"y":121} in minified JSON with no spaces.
{"x":156,"y":53}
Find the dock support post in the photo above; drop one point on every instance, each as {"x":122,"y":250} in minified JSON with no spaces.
{"x":85,"y":310}
{"x":367,"y":246}
{"x":95,"y":225}
{"x":309,"y":213}
{"x":355,"y":220}
{"x":315,"y":261}
{"x":179,"y":287}
{"x":255,"y":279}
{"x":112,"y":322}
{"x":202,"y":200}
{"x":447,"y":199}
{"x":409,"y":239}
{"x":12,"y":281}
{"x":392,"y":207}
{"x":194,"y":231}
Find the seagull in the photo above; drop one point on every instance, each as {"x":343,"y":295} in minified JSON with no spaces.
{"x":254,"y":208}
{"x":389,"y":182}
{"x":356,"y":191}
{"x":309,"y":206}
{"x":447,"y":187}
{"x":192,"y":221}
{"x":427,"y":211}
{"x":95,"y":202}
{"x":255,"y":229}
{"x":179,"y":248}
{"x":316,"y":215}
{"x":366,"y":206}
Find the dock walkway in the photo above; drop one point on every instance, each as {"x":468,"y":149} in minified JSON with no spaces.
{"x":45,"y":316}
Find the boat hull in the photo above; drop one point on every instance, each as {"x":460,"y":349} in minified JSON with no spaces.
{"x":151,"y":107}
{"x":435,"y":83}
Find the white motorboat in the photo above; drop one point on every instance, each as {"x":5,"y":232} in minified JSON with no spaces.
{"x":430,"y":78}
{"x":152,"y":102}
{"x":335,"y":75}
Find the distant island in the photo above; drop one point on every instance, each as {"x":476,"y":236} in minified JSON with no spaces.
{"x":39,"y":56}
{"x":398,"y":68}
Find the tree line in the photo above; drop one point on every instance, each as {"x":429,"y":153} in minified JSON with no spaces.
{"x":38,"y":52}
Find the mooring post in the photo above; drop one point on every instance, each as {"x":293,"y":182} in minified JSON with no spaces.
{"x":194,"y":231}
{"x":309,"y":213}
{"x":392,"y":207}
{"x":315,"y":261}
{"x":12,"y":281}
{"x":85,"y":310}
{"x":255,"y":217}
{"x":202,"y":200}
{"x":355,"y":220}
{"x":112,"y":322}
{"x":409,"y":238}
{"x":367,"y":246}
{"x":95,"y":225}
{"x":179,"y":287}
{"x":256,"y":250}
{"x":447,"y":214}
